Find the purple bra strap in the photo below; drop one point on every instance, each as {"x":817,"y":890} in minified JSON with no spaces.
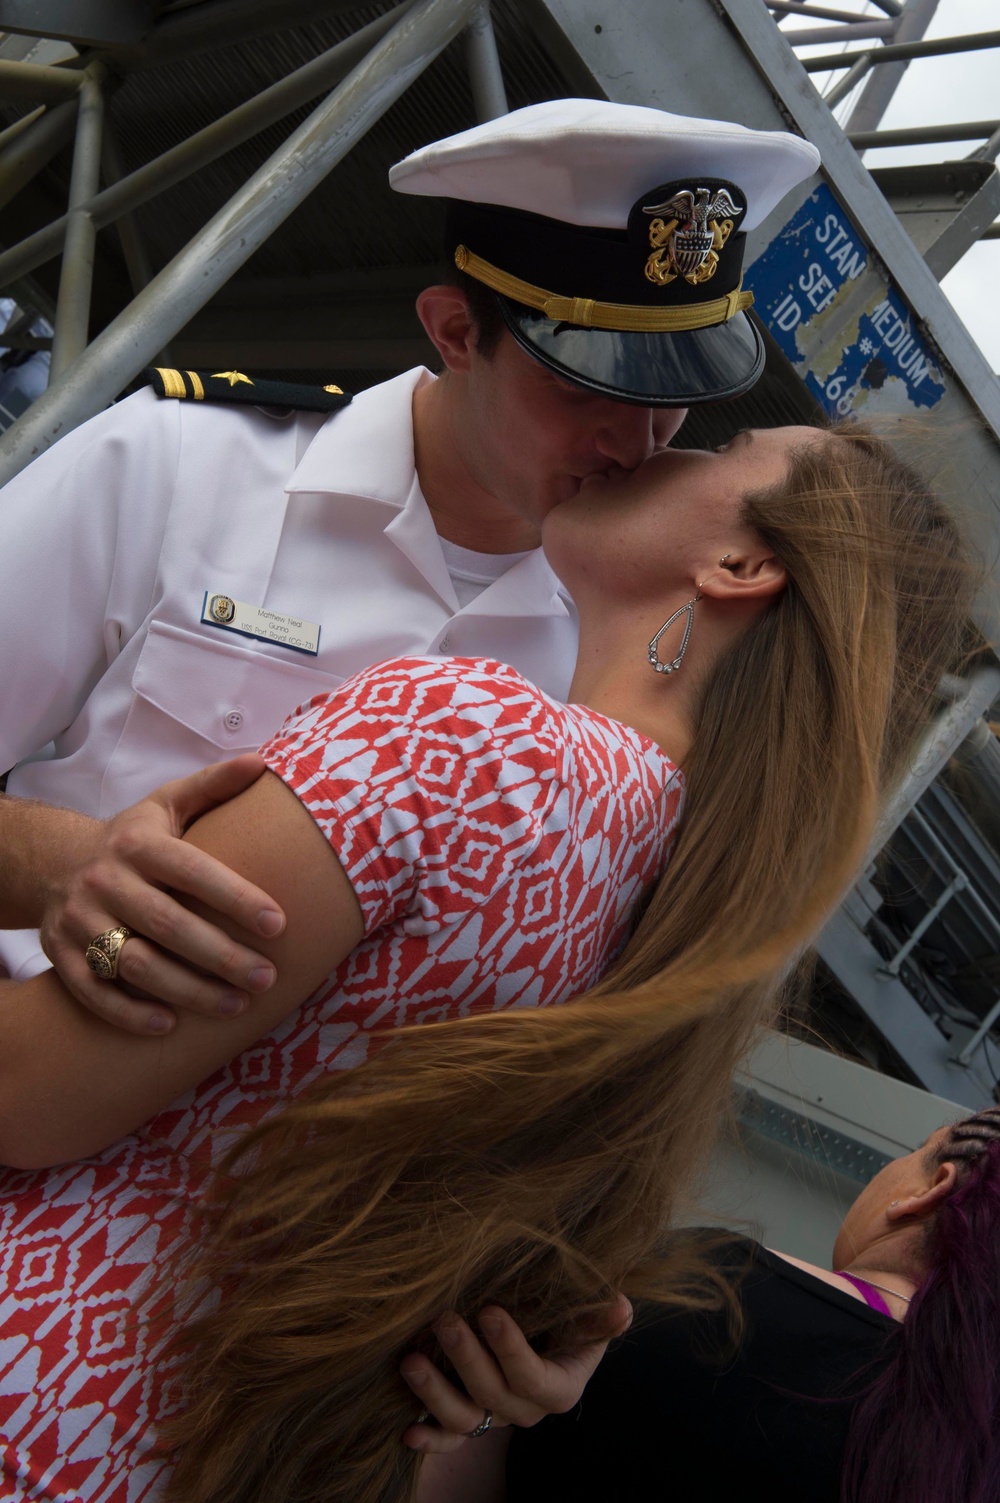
{"x":870,"y":1294}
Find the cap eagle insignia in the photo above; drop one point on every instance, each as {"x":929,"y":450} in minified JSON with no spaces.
{"x":687,"y":239}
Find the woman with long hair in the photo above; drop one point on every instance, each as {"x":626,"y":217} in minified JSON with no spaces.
{"x":773,"y":618}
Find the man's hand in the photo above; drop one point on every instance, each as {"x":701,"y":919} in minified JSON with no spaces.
{"x":119,"y":874}
{"x":510,"y":1379}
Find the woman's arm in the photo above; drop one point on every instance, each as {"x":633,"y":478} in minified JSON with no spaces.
{"x":475,"y":1474}
{"x":70,"y":1084}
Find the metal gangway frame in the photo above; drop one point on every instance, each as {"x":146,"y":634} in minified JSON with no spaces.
{"x":701,"y":57}
{"x":370,"y":70}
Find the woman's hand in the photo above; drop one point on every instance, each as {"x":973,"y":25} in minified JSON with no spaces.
{"x":509,"y":1379}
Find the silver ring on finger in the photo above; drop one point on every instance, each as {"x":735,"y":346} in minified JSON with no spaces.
{"x":482,"y":1427}
{"x":104,"y":952}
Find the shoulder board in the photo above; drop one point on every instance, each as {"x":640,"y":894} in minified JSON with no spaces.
{"x":234,"y":386}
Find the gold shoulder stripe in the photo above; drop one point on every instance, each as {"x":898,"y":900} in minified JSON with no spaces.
{"x":196,"y":386}
{"x":626,"y":317}
{"x":173,"y":382}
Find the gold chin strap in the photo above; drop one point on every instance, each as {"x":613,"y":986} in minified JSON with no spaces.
{"x":625,"y":317}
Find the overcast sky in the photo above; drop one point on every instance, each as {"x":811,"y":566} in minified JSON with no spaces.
{"x":936,"y":91}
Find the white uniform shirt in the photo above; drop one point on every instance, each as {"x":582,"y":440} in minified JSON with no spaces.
{"x":112,"y":683}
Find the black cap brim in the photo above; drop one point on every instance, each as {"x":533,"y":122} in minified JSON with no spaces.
{"x":649,"y":369}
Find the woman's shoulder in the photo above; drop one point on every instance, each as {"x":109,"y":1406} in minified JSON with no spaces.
{"x":820,"y":1284}
{"x":434,"y":727}
{"x":764,"y":1275}
{"x":414,"y":686}
{"x":474,"y":715}
{"x":404,"y":692}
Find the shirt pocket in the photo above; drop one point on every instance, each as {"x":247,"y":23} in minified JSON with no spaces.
{"x":199,"y":700}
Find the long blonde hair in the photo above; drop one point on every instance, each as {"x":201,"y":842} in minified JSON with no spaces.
{"x":534,"y":1158}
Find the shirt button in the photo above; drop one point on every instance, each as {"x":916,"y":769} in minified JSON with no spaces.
{"x":445,"y":644}
{"x":233,"y":720}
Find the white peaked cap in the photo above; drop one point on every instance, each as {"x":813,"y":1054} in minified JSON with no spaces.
{"x":587,"y":161}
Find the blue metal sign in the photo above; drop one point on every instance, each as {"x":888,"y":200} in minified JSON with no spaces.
{"x":851,"y":351}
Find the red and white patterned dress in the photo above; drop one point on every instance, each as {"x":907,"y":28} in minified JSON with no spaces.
{"x":497,"y":842}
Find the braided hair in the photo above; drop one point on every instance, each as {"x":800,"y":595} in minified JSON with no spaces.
{"x":969,"y":1139}
{"x":928,"y":1428}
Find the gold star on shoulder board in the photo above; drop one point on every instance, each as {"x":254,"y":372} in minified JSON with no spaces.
{"x":231,"y":376}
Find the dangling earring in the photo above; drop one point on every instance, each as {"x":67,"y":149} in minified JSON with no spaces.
{"x":651,"y":652}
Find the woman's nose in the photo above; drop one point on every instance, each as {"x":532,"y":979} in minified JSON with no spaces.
{"x":625,"y":434}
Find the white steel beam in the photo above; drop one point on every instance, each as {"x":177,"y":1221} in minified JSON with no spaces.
{"x":231,"y":237}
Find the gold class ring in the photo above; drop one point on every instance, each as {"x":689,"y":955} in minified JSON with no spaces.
{"x":104,"y":952}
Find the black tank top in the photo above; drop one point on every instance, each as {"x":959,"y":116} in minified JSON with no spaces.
{"x":672,"y":1413}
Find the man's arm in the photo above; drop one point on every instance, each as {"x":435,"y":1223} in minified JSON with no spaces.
{"x":72,"y":878}
{"x":36,"y":842}
{"x":83,"y":529}
{"x":70,"y":1085}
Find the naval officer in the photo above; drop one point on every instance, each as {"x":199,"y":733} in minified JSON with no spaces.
{"x":181,"y":572}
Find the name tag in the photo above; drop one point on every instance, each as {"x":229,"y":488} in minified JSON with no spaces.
{"x":253,"y":621}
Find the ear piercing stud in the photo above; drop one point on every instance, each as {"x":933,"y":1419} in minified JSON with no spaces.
{"x":722,"y":564}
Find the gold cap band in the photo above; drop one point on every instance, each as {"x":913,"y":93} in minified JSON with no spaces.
{"x":624,"y":317}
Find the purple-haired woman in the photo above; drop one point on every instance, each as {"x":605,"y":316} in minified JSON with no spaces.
{"x":877,"y":1383}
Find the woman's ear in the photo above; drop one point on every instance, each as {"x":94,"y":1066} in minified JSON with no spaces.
{"x":444,"y":313}
{"x":922,"y":1202}
{"x":750,"y":573}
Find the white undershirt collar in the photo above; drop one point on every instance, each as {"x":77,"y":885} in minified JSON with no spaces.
{"x":471,"y":572}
